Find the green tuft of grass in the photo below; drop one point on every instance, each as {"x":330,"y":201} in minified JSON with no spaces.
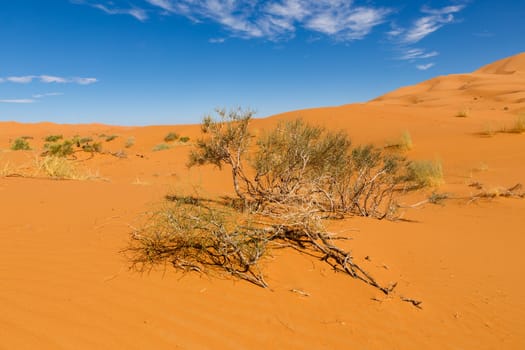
{"x":171,"y":137}
{"x":161,"y":147}
{"x":20,"y":144}
{"x":111,"y":138}
{"x":53,"y":138}
{"x":184,"y":139}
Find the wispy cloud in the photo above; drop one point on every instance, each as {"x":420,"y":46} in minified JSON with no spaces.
{"x":48,"y":79}
{"x":136,"y":12}
{"x":425,"y":66}
{"x":273,"y":20}
{"x":48,"y":94}
{"x":412,"y":54}
{"x":217,"y":40}
{"x":111,"y":8}
{"x":433,"y":20}
{"x":19,"y":101}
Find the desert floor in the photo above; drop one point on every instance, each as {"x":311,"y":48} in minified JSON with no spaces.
{"x":65,"y":285}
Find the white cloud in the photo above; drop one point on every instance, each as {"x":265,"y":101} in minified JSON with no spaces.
{"x":18,"y":101}
{"x":52,"y":79}
{"x":84,"y":81}
{"x":48,"y":94}
{"x":21,"y":80}
{"x":136,"y":12}
{"x":278,"y":19}
{"x":48,"y":79}
{"x":417,"y":54}
{"x":216,"y":40}
{"x":425,"y":66}
{"x":426,"y":25}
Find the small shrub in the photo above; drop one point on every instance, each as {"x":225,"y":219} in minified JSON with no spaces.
{"x":27,"y":137}
{"x":184,"y":139}
{"x":53,"y":138}
{"x":161,"y":147}
{"x":404,"y":143}
{"x":111,"y":138}
{"x":171,"y":137}
{"x":84,"y":140}
{"x":519,"y":125}
{"x":129,"y":142}
{"x":95,"y":147}
{"x":425,"y":173}
{"x":56,"y":167}
{"x":59,"y":149}
{"x":464,"y":113}
{"x":20,"y":144}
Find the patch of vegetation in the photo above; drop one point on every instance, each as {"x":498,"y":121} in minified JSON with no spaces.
{"x":56,"y":167}
{"x":53,"y":138}
{"x":59,"y":149}
{"x":111,"y":138}
{"x":171,"y":137}
{"x":161,"y":147}
{"x":464,"y":113}
{"x":184,"y":139}
{"x":425,"y":173}
{"x":70,"y":146}
{"x":519,"y":125}
{"x":20,"y":144}
{"x":129,"y":142}
{"x":404,"y":143}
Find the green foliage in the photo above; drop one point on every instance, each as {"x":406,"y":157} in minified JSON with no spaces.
{"x":53,"y":138}
{"x":20,"y":144}
{"x":95,"y":147}
{"x":111,"y":138}
{"x":60,"y":149}
{"x":161,"y":147}
{"x":184,"y":139}
{"x":171,"y":137}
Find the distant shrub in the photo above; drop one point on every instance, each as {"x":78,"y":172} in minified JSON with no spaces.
{"x":111,"y":138}
{"x":425,"y":173}
{"x":27,"y":137}
{"x":84,"y":140}
{"x":519,"y":125}
{"x":171,"y":137}
{"x":53,"y":138}
{"x":59,"y":149}
{"x":464,"y":113}
{"x":184,"y":139}
{"x":129,"y":142}
{"x":161,"y":147}
{"x":404,"y":143}
{"x":95,"y":147}
{"x":20,"y":144}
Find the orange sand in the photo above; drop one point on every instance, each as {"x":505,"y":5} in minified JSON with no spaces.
{"x":64,"y":285}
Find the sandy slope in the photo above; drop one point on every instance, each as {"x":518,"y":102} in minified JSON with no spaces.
{"x":64,"y":285}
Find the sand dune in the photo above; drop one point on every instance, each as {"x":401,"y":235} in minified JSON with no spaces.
{"x":64,"y":284}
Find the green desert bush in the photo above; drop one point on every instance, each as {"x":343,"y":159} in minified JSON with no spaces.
{"x":297,"y":164}
{"x":184,"y":139}
{"x":53,"y":138}
{"x":59,"y":149}
{"x":170,"y":137}
{"x":111,"y":138}
{"x":20,"y":144}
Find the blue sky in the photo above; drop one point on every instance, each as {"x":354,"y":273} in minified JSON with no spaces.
{"x":136,"y":62}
